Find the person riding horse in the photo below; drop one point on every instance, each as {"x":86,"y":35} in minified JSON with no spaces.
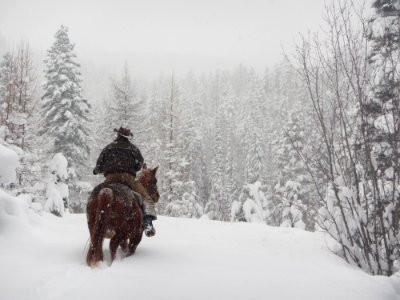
{"x":119,"y":162}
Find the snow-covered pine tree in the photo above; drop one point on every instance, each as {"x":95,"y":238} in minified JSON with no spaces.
{"x":291,"y":188}
{"x":127,"y":109}
{"x":197,"y":147}
{"x":231,"y":144}
{"x":218,"y":206}
{"x":250,"y":207}
{"x":154,"y":127}
{"x":102,"y":131}
{"x":64,"y":126}
{"x":192,"y":167}
{"x":254,"y":125}
{"x":222,"y":169}
{"x":171,"y":159}
{"x":7,"y":93}
{"x":383,"y":106}
{"x":383,"y":125}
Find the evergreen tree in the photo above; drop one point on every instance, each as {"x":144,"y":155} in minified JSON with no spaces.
{"x":291,"y":188}
{"x":170,"y":157}
{"x":153,"y":110}
{"x":249,"y":207}
{"x":254,"y":125}
{"x":382,"y":123}
{"x":65,"y":112}
{"x":384,"y":105}
{"x":7,"y":93}
{"x":101,"y":131}
{"x":126,"y":107}
{"x":218,"y":206}
{"x":231,"y":165}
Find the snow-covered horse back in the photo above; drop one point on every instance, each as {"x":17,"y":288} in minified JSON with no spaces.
{"x":115,"y":208}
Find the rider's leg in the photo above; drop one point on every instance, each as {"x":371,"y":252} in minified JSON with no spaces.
{"x":149,"y":209}
{"x":149,"y":205}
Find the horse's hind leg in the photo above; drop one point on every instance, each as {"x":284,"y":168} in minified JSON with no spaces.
{"x":136,"y":238}
{"x":97,"y":210}
{"x":115,"y":241}
{"x":124,"y":245}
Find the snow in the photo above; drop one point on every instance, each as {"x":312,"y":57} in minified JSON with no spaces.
{"x":17,"y":216}
{"x":385,"y":123}
{"x":252,"y":207}
{"x":44,"y":258}
{"x":56,"y":190}
{"x":54,"y":202}
{"x":58,"y":165}
{"x":8,"y":162}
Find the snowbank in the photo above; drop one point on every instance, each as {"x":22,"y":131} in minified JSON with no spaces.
{"x":187,"y":259}
{"x":17,"y":214}
{"x":8,"y":162}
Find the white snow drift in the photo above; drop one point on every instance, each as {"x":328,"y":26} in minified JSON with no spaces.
{"x":44,"y":258}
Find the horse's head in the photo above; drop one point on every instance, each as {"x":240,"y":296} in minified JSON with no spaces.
{"x":149,"y":181}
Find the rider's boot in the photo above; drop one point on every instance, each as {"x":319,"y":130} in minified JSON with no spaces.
{"x":148,"y":227}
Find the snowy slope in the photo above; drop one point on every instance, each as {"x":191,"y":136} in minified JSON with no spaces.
{"x":43,"y":258}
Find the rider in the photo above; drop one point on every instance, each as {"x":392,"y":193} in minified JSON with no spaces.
{"x":119,"y":162}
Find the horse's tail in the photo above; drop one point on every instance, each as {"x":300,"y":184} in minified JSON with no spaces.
{"x":104,"y":201}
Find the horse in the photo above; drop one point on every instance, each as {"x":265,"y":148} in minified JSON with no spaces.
{"x":115,"y":211}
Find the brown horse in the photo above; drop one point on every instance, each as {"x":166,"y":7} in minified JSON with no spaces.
{"x":115,"y":211}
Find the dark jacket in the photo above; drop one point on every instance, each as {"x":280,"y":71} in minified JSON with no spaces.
{"x":121,"y":156}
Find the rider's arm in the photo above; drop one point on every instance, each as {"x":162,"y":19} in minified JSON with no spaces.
{"x":100,"y":164}
{"x":138,"y":159}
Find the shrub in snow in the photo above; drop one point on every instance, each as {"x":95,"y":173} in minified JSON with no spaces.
{"x":292,"y":188}
{"x":250,"y":208}
{"x":57,"y":192}
{"x":252,"y":212}
{"x":54,"y":203}
{"x":237,"y":213}
{"x":185,"y":207}
{"x":79,"y":191}
{"x":292,"y":207}
{"x":58,"y":166}
{"x":3,"y":130}
{"x":8,"y":164}
{"x":365,"y":234}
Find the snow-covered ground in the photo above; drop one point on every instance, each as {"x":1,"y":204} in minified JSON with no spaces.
{"x":43,"y":257}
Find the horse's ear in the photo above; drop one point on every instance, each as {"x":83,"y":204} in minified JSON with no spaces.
{"x":155,"y":170}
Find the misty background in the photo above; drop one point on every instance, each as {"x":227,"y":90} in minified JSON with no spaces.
{"x":161,"y":36}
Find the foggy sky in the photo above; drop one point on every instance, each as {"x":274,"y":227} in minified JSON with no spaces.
{"x":161,"y":34}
